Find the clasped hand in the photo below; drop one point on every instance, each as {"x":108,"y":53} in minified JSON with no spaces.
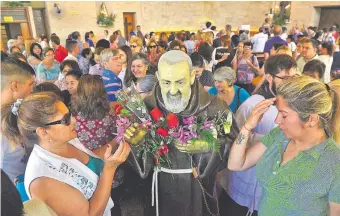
{"x":193,"y":146}
{"x":135,"y":134}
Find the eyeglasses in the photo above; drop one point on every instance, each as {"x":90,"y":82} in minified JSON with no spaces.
{"x":133,"y":46}
{"x":153,"y":46}
{"x":65,"y":121}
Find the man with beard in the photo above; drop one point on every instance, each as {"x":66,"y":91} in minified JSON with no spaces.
{"x":188,"y":187}
{"x":242,"y":192}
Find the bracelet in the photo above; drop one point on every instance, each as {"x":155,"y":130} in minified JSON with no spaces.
{"x":246,"y":128}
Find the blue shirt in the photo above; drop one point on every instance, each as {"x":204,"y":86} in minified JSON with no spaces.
{"x":90,"y":42}
{"x":112,"y":84}
{"x":44,"y":73}
{"x":274,"y":40}
{"x":241,"y":95}
{"x":80,"y":44}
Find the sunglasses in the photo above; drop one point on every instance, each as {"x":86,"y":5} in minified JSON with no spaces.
{"x":153,"y":46}
{"x":133,"y":46}
{"x":65,"y":121}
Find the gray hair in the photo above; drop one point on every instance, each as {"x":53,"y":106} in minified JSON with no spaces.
{"x":147,"y":83}
{"x":225,"y":74}
{"x":175,"y":56}
{"x":10,"y":43}
{"x":106,"y":54}
{"x":141,"y":56}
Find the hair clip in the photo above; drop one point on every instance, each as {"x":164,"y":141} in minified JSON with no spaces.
{"x":15,"y":107}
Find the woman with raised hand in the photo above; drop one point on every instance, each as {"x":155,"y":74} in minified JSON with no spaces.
{"x":297,"y":163}
{"x":69,"y":178}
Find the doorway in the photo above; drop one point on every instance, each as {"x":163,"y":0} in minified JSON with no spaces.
{"x":329,"y":16}
{"x":129,"y":23}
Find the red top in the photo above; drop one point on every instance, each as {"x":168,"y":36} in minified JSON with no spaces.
{"x":60,"y":53}
{"x":94,"y":133}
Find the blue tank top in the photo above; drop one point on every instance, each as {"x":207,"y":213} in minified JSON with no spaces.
{"x":95,"y":164}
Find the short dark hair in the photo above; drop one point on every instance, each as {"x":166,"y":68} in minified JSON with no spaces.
{"x":213,"y":28}
{"x":197,"y":60}
{"x":14,"y":47}
{"x":163,"y":44}
{"x":173,"y":44}
{"x":138,"y":25}
{"x":291,"y":37}
{"x":23,"y":65}
{"x":103,"y":43}
{"x":75,"y":35}
{"x":18,"y":35}
{"x":75,"y":73}
{"x":208,"y":24}
{"x":71,"y":45}
{"x":85,"y":52}
{"x":284,"y":29}
{"x":329,"y":47}
{"x":314,"y":42}
{"x":73,"y":64}
{"x":17,"y":55}
{"x":106,"y":31}
{"x":248,"y":43}
{"x":151,"y":33}
{"x":311,"y":28}
{"x":46,"y":50}
{"x":55,"y":39}
{"x":228,"y":27}
{"x":91,"y":32}
{"x":47,"y":86}
{"x":275,"y":64}
{"x":315,"y":66}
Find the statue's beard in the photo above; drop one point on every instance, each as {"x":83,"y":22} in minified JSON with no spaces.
{"x":176,"y":103}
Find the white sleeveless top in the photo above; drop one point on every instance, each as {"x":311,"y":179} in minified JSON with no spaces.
{"x":43,"y":163}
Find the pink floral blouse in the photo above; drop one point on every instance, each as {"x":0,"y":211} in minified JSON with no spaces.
{"x":94,"y":133}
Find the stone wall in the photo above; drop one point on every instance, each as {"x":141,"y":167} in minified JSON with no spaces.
{"x":156,"y":16}
{"x":174,"y":16}
{"x":308,"y":13}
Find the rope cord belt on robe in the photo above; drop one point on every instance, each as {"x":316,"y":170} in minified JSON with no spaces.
{"x":193,"y":170}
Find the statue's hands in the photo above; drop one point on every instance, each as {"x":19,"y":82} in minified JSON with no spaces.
{"x":193,"y":147}
{"x":135,"y":134}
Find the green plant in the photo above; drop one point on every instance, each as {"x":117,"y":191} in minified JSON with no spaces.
{"x":14,"y":3}
{"x":280,"y":19}
{"x":106,"y":20}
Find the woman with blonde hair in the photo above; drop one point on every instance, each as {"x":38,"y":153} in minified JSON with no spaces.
{"x":136,"y":44}
{"x":297,"y":163}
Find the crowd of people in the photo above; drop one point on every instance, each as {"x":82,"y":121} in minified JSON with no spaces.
{"x":280,"y":157}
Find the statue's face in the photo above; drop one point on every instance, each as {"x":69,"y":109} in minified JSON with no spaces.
{"x":175,"y":81}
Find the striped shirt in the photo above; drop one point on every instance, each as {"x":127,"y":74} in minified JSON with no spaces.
{"x":112,"y":84}
{"x":304,"y":185}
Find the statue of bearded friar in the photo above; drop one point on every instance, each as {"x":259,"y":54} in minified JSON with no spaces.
{"x":187,"y":188}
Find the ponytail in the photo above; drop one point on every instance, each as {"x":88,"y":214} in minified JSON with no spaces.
{"x":19,"y":122}
{"x":9,"y":125}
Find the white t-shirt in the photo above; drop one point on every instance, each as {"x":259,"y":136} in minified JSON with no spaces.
{"x":13,"y":161}
{"x":259,"y":40}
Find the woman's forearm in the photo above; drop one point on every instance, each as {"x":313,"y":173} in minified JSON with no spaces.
{"x":101,"y":196}
{"x":237,"y":156}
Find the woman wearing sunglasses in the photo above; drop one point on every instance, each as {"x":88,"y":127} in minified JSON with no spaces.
{"x":69,"y":178}
{"x":136,"y":44}
{"x":152,"y":52}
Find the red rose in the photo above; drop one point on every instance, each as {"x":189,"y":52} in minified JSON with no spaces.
{"x":162,"y":131}
{"x":156,"y":114}
{"x":165,"y":149}
{"x":160,"y":152}
{"x":118,"y":108}
{"x":172,"y":121}
{"x":156,"y":160}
